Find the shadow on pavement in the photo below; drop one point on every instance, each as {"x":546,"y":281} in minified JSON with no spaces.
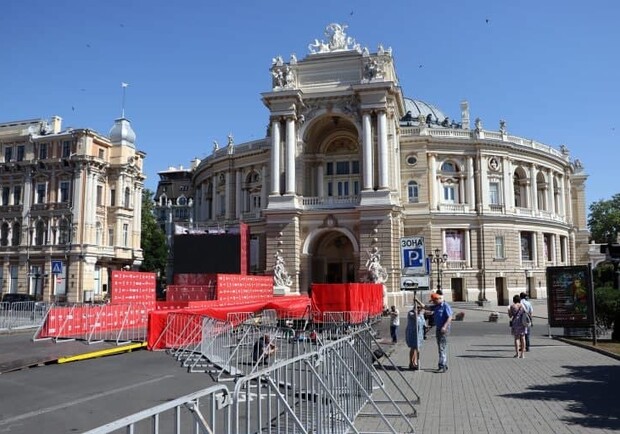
{"x":590,"y":396}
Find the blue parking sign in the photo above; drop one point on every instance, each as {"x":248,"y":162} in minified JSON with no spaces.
{"x":413,"y":258}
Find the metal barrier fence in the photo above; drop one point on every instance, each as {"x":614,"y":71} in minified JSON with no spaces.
{"x":120,"y":323}
{"x":22,"y":314}
{"x":206,"y":411}
{"x":333,"y":382}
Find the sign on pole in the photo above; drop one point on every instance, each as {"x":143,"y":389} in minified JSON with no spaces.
{"x":56,"y":267}
{"x":413,"y":257}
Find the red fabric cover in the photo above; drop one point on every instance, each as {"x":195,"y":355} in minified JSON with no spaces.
{"x":287,"y":307}
{"x":132,"y":287}
{"x":347,"y":297}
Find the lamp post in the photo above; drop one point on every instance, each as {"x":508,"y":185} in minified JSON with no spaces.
{"x":438,"y":259}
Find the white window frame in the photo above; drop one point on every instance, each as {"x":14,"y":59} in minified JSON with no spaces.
{"x":500,"y":248}
{"x":413,"y":191}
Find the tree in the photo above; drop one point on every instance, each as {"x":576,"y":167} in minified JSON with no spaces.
{"x":154,"y":247}
{"x":604,"y":220}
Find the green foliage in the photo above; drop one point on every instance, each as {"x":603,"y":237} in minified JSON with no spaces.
{"x":603,"y":275}
{"x":607,"y":305}
{"x":604,"y":220}
{"x":153,"y":242}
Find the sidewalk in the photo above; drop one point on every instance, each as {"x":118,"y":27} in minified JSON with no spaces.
{"x":557,"y":388}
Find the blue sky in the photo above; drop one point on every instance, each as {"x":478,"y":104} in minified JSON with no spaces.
{"x":196,"y":69}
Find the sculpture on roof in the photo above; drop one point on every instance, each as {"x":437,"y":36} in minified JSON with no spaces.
{"x":337,"y":40}
{"x":231,"y":144}
{"x":502,"y":126}
{"x":216,"y":146}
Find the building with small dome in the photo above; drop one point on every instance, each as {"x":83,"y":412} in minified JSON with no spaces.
{"x":70,"y":208}
{"x":349,"y":166}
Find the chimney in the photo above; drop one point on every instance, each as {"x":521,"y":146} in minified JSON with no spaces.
{"x":56,"y":124}
{"x":465,"y":114}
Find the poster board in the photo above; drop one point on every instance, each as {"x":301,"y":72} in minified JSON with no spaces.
{"x":570,"y":296}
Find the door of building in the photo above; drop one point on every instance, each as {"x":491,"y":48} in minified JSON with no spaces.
{"x":500,"y":290}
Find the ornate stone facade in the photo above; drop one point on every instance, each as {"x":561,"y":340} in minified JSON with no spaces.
{"x":349,"y":166}
{"x":70,"y":208}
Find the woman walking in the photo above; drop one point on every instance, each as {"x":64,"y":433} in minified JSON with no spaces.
{"x":414,"y":334}
{"x":515,"y":313}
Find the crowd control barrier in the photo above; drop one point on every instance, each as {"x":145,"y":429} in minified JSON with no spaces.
{"x":22,"y":314}
{"x":120,"y":323}
{"x":331,"y":386}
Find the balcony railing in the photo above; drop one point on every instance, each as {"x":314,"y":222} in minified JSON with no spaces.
{"x":458,"y":264}
{"x":330,"y":202}
{"x":454,"y":207}
{"x":251,"y":215}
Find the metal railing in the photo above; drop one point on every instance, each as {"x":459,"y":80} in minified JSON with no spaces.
{"x":22,"y":314}
{"x":326,"y":377}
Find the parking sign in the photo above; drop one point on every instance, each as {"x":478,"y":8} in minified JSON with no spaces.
{"x":413,"y":257}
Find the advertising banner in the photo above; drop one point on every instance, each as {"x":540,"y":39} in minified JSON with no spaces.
{"x":570,"y":296}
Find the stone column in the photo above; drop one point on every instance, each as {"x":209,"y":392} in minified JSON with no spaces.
{"x":550,"y":201}
{"x":533,"y":189}
{"x":553,"y":247}
{"x":227,"y":194}
{"x":535,"y":249}
{"x":433,"y":184}
{"x":467,"y":247}
{"x":214,"y":197}
{"x":290,"y":155}
{"x":509,"y":200}
{"x":470,"y":183}
{"x":275,"y":157}
{"x":319,"y":180}
{"x":383,"y":149}
{"x":367,"y":151}
{"x":264,"y":187}
{"x":238,"y":194}
{"x":561,"y":203}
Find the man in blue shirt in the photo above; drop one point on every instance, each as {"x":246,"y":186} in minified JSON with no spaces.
{"x":442,"y":315}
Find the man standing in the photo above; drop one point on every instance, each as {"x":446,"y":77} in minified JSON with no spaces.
{"x":442,"y":315}
{"x":394,"y":323}
{"x":529,"y":310}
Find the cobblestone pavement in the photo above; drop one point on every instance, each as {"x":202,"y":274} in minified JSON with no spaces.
{"x":556,"y":388}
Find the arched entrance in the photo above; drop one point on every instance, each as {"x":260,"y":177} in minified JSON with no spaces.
{"x":333,"y":259}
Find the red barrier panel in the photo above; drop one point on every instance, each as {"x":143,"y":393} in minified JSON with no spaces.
{"x":190,"y":292}
{"x":289,"y":307}
{"x":348,"y":297}
{"x":132,"y":287}
{"x":194,"y":279}
{"x":237,"y":288}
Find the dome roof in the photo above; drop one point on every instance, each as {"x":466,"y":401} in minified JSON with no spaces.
{"x":121,"y":133}
{"x":417,"y":107}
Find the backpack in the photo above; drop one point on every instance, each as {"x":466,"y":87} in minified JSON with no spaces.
{"x":526,"y":319}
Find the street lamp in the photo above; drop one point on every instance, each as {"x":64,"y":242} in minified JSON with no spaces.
{"x":438,"y":259}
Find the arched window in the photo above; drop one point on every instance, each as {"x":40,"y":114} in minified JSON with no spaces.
{"x":413,"y":192}
{"x":519,"y":183}
{"x":448,"y":166}
{"x":451,"y":183}
{"x":541,"y":191}
{"x":127,"y":197}
{"x":40,"y":233}
{"x":63,"y":232}
{"x":4,"y":234}
{"x":182,"y":201}
{"x":16,"y":236}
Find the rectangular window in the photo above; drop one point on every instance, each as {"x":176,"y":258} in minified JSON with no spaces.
{"x":547,"y":246}
{"x":342,"y":168}
{"x":6,"y":191}
{"x":40,"y":193}
{"x":356,"y":187}
{"x":125,"y":234}
{"x":64,"y":191}
{"x":66,"y":149}
{"x":17,"y":195}
{"x":449,"y":193}
{"x":113,"y":197}
{"x":42,"y":151}
{"x":101,"y":154}
{"x":20,"y":152}
{"x":454,"y":245}
{"x":355,"y":167}
{"x":14,"y":276}
{"x":330,"y":189}
{"x":343,"y":188}
{"x":526,"y":246}
{"x":99,"y":195}
{"x":494,"y":193}
{"x":563,"y":249}
{"x":8,"y":154}
{"x":330,"y":168}
{"x":110,"y":236}
{"x":499,"y":247}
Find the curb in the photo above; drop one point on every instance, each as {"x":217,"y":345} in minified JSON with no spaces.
{"x":102,"y":353}
{"x":588,"y":347}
